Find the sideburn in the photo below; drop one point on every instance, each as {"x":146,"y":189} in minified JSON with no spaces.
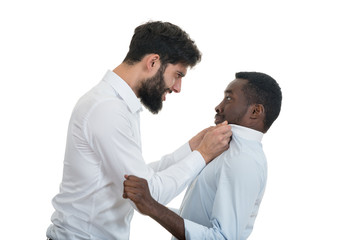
{"x":151,"y":91}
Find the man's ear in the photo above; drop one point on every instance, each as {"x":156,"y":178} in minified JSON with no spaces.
{"x":258,"y":111}
{"x":152,"y":62}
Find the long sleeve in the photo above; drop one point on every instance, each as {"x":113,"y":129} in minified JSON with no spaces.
{"x":111,"y":134}
{"x":170,"y":159}
{"x":104,"y":144}
{"x":239,"y":188}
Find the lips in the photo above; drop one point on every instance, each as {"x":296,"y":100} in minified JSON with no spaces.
{"x":164,"y":96}
{"x":166,"y":92}
{"x":219,"y":119}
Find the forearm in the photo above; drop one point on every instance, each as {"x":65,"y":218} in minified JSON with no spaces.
{"x":175,"y":178}
{"x":169,"y":220}
{"x":171,"y":159}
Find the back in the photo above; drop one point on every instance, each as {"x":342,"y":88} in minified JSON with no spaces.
{"x":223,"y":201}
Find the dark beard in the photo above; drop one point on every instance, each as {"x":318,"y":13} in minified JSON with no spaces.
{"x":151,"y":91}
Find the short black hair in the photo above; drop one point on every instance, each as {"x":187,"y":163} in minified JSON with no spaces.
{"x":262,"y":89}
{"x":166,"y":39}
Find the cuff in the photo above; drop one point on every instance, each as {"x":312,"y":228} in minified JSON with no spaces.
{"x":182,"y":152}
{"x":193,"y":230}
{"x":195,"y":163}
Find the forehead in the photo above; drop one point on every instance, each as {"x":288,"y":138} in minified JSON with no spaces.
{"x":236,"y":86}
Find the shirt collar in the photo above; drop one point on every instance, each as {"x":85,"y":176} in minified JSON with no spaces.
{"x":246,"y":133}
{"x":124,"y":90}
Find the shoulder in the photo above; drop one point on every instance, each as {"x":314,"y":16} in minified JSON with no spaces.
{"x":92,"y":106}
{"x":101,"y":110}
{"x":243,"y":160}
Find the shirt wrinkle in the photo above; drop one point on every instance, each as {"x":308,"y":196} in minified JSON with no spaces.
{"x":90,"y":204}
{"x":234,"y":184}
{"x":122,"y":88}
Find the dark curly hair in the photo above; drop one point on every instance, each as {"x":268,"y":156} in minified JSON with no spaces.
{"x":262,"y":89}
{"x":166,"y":39}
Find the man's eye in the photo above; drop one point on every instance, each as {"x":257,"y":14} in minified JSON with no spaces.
{"x":179,"y":75}
{"x":228,"y":98}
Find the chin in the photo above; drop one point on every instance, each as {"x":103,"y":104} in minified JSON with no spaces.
{"x":218,"y":122}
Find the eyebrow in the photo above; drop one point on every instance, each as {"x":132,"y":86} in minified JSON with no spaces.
{"x":228,"y":91}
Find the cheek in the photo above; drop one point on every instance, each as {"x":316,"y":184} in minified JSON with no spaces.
{"x":229,"y":111}
{"x":169,"y":82}
{"x":234,"y":114}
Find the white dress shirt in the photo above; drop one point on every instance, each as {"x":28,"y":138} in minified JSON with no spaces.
{"x":223,"y":201}
{"x":104,"y":144}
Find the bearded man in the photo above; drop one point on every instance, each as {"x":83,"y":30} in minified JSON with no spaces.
{"x":104,"y":144}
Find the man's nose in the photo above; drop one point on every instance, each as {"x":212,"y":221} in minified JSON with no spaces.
{"x":218,"y":109}
{"x":177,"y":86}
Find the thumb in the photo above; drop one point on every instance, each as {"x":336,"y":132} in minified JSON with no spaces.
{"x":224,"y":122}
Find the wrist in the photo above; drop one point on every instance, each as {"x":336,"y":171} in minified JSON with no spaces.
{"x":205,"y":156}
{"x":191,"y":145}
{"x":194,"y":144}
{"x":155,"y":210}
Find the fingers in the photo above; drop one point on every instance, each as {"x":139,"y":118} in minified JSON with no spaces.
{"x":228,"y":135}
{"x":132,"y":196}
{"x":196,"y":140}
{"x":215,"y":141}
{"x":132,"y":178}
{"x":223,"y":131}
{"x":223,"y":127}
{"x":134,"y":182}
{"x":224,"y":123}
{"x":134,"y":187}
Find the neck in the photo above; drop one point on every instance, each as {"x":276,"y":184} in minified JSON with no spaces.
{"x":131,"y":74}
{"x":258,"y":128}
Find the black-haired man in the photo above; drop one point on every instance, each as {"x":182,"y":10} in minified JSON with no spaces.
{"x":223,"y":201}
{"x":104,"y":143}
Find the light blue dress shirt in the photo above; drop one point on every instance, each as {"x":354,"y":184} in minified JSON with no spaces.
{"x":223,"y":201}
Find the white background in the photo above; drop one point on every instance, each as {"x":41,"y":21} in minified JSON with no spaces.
{"x":52,"y":52}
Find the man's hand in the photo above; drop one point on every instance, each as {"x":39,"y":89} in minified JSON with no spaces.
{"x":215,"y":141}
{"x":196,"y":140}
{"x":137,"y":190}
